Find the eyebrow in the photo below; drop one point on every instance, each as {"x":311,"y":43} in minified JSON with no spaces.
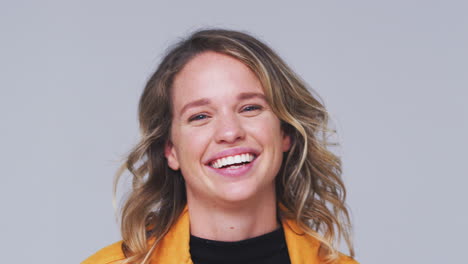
{"x":206,"y":101}
{"x":199,"y":102}
{"x":244,"y":96}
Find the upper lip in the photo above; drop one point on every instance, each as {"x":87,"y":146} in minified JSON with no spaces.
{"x":231,"y":152}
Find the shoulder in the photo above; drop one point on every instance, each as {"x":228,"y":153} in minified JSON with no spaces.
{"x":303,"y":247}
{"x":108,"y":255}
{"x":344,"y":259}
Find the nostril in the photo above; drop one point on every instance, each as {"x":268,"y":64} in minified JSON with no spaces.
{"x":229,"y":130}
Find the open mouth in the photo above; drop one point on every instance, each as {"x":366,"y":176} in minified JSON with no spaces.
{"x":233,"y":162}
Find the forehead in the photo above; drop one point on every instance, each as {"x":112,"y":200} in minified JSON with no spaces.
{"x":213,"y":74}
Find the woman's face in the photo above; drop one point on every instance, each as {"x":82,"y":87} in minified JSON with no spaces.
{"x":225,"y":139}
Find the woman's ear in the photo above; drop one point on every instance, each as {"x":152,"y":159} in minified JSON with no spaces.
{"x":171,"y":156}
{"x":285,"y":131}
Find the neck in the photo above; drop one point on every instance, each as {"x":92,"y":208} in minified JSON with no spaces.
{"x":230,"y":222}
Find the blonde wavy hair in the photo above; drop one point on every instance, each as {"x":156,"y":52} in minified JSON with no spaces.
{"x":308,"y":185}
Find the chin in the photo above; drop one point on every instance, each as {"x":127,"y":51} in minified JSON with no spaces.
{"x":236,"y":197}
{"x":241,"y":194}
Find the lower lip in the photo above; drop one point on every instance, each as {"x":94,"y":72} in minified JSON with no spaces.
{"x":237,"y":172}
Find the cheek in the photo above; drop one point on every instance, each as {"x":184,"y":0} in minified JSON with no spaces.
{"x":267,"y":129}
{"x":191,"y":147}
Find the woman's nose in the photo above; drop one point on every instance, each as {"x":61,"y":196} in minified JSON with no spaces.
{"x":229,"y":129}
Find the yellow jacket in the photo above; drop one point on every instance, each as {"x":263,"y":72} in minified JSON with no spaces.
{"x":174,"y":247}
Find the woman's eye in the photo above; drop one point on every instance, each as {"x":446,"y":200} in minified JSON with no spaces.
{"x":197,"y":117}
{"x":251,"y":108}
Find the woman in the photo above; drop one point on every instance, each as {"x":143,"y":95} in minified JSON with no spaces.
{"x":233,"y":165}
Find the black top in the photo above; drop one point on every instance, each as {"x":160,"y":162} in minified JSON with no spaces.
{"x":269,"y":248}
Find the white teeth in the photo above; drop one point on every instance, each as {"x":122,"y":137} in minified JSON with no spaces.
{"x":217,"y":164}
{"x":226,"y":161}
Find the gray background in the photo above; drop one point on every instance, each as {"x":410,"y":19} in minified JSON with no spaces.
{"x":392,"y":73}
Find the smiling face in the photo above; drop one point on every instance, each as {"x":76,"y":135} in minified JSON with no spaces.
{"x":225,"y":139}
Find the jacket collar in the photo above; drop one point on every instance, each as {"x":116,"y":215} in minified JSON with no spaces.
{"x":174,"y":247}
